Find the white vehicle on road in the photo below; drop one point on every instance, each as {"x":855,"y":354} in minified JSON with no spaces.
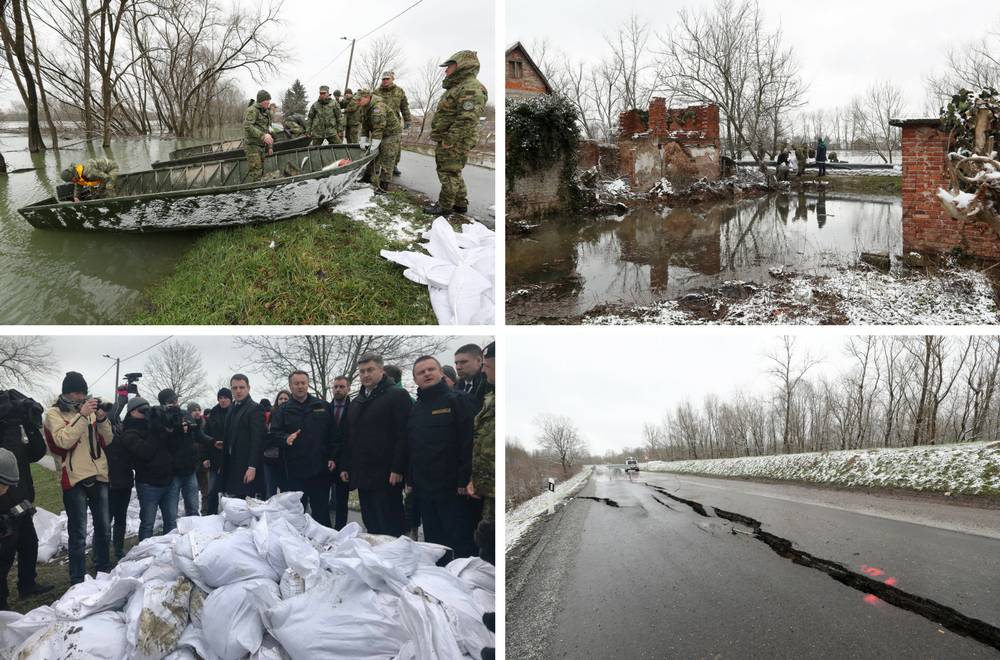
{"x":631,"y":465}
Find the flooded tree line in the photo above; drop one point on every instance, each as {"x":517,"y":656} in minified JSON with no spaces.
{"x":896,"y":392}
{"x":134,"y":67}
{"x":728,"y":55}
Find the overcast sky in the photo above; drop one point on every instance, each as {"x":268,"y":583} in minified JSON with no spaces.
{"x":434,"y":29}
{"x":611,"y":382}
{"x":842,"y":46}
{"x":219,"y":357}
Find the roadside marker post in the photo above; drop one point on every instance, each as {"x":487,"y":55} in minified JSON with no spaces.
{"x":552,"y":496}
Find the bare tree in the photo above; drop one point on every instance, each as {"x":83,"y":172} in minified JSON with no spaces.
{"x":728,"y":57}
{"x":16,"y":51}
{"x":788,"y":370}
{"x":177,"y":365}
{"x":973,"y":65}
{"x":24,"y":359}
{"x":559,"y":438}
{"x":324,"y":357}
{"x":630,"y":58}
{"x":383,"y":54}
{"x":428,"y":90}
{"x":872,"y":111}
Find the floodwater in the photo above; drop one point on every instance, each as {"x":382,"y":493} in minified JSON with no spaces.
{"x":567,"y":266}
{"x":52,"y":277}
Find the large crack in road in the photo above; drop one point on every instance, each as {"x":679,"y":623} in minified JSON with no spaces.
{"x":946,"y":616}
{"x":606,"y":500}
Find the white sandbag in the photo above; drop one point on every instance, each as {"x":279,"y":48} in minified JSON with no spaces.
{"x":134,"y":569}
{"x":233,"y":618}
{"x":204,"y":524}
{"x":97,"y":637}
{"x":184,"y":550}
{"x":233,"y":558}
{"x":465,"y":615}
{"x":276,"y":539}
{"x":156,"y":616}
{"x":427,"y":624}
{"x":15,"y":627}
{"x":270,"y":649}
{"x":239,"y":512}
{"x":403,"y":554}
{"x":357,"y":558}
{"x":193,"y":640}
{"x":49,"y":527}
{"x":458,"y":270}
{"x":474,"y":572}
{"x":308,"y":626}
{"x":94,"y":595}
{"x":292,"y":584}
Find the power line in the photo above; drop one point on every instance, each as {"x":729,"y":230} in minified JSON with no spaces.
{"x":167,"y":338}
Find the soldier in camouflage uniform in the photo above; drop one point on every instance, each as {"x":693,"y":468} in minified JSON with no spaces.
{"x":94,"y":179}
{"x":484,"y":462}
{"x":378,"y":122}
{"x":352,"y":117}
{"x":294,"y":125}
{"x":257,"y":136}
{"x":325,"y":122}
{"x":395,"y":98}
{"x":455,"y":130}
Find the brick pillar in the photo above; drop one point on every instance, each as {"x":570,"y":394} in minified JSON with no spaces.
{"x":658,"y":117}
{"x":630,"y":123}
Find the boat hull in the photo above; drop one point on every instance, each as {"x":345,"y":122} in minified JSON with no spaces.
{"x":186,"y":157}
{"x":205,"y":208}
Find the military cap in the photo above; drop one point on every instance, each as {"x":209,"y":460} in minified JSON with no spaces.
{"x":388,"y":74}
{"x":336,"y":92}
{"x":453,"y":59}
{"x":490,"y":351}
{"x":324,"y":88}
{"x":364,"y":91}
{"x":263,"y":95}
{"x":348,"y":91}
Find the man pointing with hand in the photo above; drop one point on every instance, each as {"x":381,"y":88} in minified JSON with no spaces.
{"x":304,"y":425}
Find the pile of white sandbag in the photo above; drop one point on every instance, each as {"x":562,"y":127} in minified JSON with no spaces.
{"x":458,"y":270}
{"x":264,"y":581}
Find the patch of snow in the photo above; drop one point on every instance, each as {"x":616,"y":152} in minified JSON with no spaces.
{"x":959,"y":469}
{"x":520,"y":518}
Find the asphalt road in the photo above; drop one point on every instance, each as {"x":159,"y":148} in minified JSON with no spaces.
{"x":653,"y":578}
{"x":419,"y":173}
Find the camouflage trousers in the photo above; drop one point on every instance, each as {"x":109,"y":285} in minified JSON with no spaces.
{"x":336,"y":139}
{"x":450,"y":163}
{"x":353,"y":132}
{"x":382,"y":166}
{"x":255,"y":164}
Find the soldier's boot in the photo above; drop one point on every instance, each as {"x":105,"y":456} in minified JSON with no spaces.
{"x":395,"y":171}
{"x":460,"y":208}
{"x":434,"y":209}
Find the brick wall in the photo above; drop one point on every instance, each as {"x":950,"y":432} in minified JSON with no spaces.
{"x":536,"y":194}
{"x":529,"y":83}
{"x":927,"y":228}
{"x":630,"y":123}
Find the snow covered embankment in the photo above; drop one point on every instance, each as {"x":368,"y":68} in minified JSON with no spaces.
{"x":966,"y":469}
{"x":521,"y":518}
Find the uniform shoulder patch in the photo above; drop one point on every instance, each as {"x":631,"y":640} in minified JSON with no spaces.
{"x":468,"y":105}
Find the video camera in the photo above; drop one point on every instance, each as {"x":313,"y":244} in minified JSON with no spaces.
{"x":9,"y":519}
{"x":18,"y":408}
{"x":132,"y":379}
{"x":166,"y":419}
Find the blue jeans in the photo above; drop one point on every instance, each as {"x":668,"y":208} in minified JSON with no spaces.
{"x":77,"y":500}
{"x":152,"y":498}
{"x":188,"y":489}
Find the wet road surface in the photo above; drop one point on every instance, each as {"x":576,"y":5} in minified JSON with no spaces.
{"x":419,"y":173}
{"x":654,"y":578}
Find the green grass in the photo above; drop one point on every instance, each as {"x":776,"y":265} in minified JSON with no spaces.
{"x":325,"y":269}
{"x":873,"y":185}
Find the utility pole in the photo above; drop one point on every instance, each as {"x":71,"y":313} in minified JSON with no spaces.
{"x":118,"y":364}
{"x":350,"y":60}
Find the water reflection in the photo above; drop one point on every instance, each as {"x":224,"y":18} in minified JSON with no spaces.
{"x":661,"y":254}
{"x":52,"y":277}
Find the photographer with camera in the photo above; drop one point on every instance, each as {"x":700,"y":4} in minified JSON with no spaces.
{"x":188,"y":441}
{"x":152,"y":457}
{"x":77,"y":430}
{"x":20,"y":421}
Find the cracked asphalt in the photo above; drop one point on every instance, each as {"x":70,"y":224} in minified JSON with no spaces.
{"x":652,"y":578}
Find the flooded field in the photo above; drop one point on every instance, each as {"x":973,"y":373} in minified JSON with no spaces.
{"x":567,"y":266}
{"x":50,"y":277}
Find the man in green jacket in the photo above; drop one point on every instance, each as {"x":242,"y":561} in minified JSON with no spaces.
{"x":257,"y":136}
{"x":352,"y":117}
{"x":395,"y":98}
{"x":455,"y":129}
{"x":484,"y":461}
{"x":93,"y":179}
{"x":379,"y":123}
{"x":325,"y":122}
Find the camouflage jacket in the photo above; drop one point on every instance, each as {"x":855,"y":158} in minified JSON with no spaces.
{"x":395,"y":98}
{"x":97,"y":173}
{"x":294,"y":125}
{"x":256,"y":124}
{"x":325,"y":119}
{"x":378,"y":121}
{"x":483,"y":449}
{"x":352,"y":114}
{"x":456,"y":120}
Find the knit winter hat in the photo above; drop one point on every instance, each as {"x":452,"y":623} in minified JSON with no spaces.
{"x":225,"y":393}
{"x":136,"y":402}
{"x":8,"y":468}
{"x":74,"y":382}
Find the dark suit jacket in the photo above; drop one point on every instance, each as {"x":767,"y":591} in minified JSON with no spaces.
{"x":376,"y":436}
{"x":243,"y":438}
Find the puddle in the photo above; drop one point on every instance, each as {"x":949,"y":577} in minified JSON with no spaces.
{"x":565,"y":267}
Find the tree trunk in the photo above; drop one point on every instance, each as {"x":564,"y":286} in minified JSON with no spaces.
{"x":23,"y":75}
{"x":88,"y":111}
{"x":53,"y":133}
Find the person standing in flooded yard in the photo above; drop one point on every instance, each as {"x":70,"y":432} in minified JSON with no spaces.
{"x":821,"y":156}
{"x":257,"y":135}
{"x":93,"y":179}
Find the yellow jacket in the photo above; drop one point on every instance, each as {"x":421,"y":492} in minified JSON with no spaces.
{"x":79,"y":443}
